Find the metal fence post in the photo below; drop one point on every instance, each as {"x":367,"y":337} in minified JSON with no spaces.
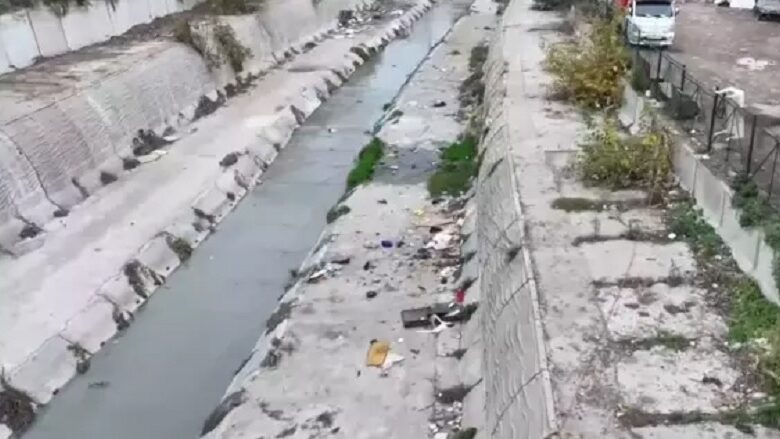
{"x":772,"y":178}
{"x":682,"y":77}
{"x":658,"y":67}
{"x":750,"y":147}
{"x":712,"y":119}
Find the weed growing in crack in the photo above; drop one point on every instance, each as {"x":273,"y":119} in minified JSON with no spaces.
{"x":364,"y":168}
{"x":687,"y":223}
{"x":589,"y":71}
{"x":234,"y":52}
{"x":753,"y":321}
{"x":457,"y":168}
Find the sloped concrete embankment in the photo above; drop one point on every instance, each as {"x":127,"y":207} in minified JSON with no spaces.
{"x":39,"y":359}
{"x":63,"y":139}
{"x":518,"y":392}
{"x":712,"y":194}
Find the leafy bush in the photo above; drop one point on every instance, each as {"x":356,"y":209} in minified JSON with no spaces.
{"x":588,"y":71}
{"x":607,"y":158}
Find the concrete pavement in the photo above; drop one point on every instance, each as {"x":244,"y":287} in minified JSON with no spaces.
{"x":608,"y":303}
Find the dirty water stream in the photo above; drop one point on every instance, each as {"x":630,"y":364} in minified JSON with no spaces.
{"x":164,"y":374}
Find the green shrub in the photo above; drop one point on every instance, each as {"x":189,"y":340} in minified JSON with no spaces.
{"x":609,"y":159}
{"x":588,"y":71}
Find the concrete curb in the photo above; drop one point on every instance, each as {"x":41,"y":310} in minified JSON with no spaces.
{"x":519,"y":399}
{"x":57,"y":361}
{"x":714,"y":196}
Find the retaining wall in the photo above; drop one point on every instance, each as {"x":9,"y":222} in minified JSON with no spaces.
{"x":715,"y":198}
{"x":518,"y":398}
{"x":28,"y":34}
{"x":60,"y":136}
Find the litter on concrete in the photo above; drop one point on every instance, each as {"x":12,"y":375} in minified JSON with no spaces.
{"x":377,"y":353}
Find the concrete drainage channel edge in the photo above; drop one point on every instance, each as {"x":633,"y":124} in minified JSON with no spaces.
{"x":56,"y":362}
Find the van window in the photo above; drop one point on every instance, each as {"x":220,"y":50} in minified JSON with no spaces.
{"x":654,"y":9}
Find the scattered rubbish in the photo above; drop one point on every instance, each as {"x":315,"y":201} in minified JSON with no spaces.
{"x":711,"y":380}
{"x":371,"y":294}
{"x":440,"y":241}
{"x":382,"y":201}
{"x":672,"y":236}
{"x":368,"y":265}
{"x":370,"y":245}
{"x":326,"y":271}
{"x":377,"y":353}
{"x":391,"y":360}
{"x":460,"y":296}
{"x":154,"y":155}
{"x":754,"y":64}
{"x":439,"y":325}
{"x":434,"y":230}
{"x":399,"y":244}
{"x":453,"y":394}
{"x":387,"y":243}
{"x":439,"y":104}
{"x":331,"y":130}
{"x":447,"y":271}
{"x":98,"y":385}
{"x":341,"y":260}
{"x":422,"y":253}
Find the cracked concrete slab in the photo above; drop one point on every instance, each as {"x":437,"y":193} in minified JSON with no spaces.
{"x":638,"y":313}
{"x":611,"y":261}
{"x":663,"y":380}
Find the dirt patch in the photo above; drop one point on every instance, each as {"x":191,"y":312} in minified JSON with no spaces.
{"x":82,"y":358}
{"x":107,"y":178}
{"x":30,"y":230}
{"x":17,"y":410}
{"x":229,"y":160}
{"x":223,"y":409}
{"x":281,"y":314}
{"x":180,"y":246}
{"x":206,"y":106}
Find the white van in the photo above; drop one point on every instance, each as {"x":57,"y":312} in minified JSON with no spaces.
{"x":650,"y":23}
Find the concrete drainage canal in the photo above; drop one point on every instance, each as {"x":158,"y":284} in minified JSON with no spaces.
{"x":162,"y":377}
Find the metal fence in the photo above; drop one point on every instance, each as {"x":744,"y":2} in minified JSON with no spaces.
{"x":742,"y":142}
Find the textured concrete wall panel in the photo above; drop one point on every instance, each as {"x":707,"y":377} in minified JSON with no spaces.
{"x":518,"y":400}
{"x":85,"y":26}
{"x":127,"y":14}
{"x":48,"y":32}
{"x":18,"y":39}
